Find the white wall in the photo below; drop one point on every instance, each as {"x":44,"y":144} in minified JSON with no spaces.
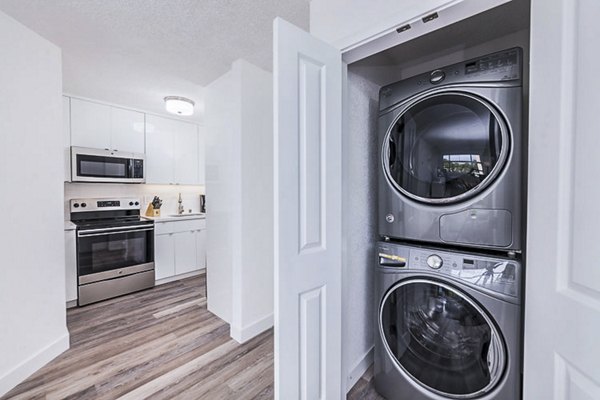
{"x":32,"y":281}
{"x":239,"y":187}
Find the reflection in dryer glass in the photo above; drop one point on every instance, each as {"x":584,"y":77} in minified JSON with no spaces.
{"x":441,"y":340}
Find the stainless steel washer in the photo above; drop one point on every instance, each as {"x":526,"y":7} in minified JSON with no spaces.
{"x":451,"y":145}
{"x":449,"y":325}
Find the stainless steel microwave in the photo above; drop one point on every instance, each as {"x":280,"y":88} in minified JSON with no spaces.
{"x":109,"y":166}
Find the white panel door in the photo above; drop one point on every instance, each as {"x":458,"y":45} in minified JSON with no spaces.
{"x":185,"y":252}
{"x":307,"y":146}
{"x":185,"y":150}
{"x":164,"y":256}
{"x":159,"y":150}
{"x":562,"y":314}
{"x":127,"y":130}
{"x":90,"y":124}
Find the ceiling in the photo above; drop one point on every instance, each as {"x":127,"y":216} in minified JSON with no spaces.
{"x":135,"y":52}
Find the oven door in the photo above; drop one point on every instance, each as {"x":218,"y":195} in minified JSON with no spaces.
{"x":96,"y":165}
{"x":114,"y":252}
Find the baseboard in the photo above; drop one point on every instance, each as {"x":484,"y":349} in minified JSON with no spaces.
{"x":248,"y":332}
{"x":174,"y":278}
{"x":33,"y":363}
{"x":359,"y":369}
{"x":71,"y":304}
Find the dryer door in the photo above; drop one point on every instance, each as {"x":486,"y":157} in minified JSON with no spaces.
{"x":445,"y":147}
{"x":441,"y":339}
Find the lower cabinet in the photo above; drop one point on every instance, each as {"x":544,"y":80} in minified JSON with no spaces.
{"x":179,"y":247}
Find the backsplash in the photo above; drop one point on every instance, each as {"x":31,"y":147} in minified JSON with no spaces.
{"x":168,"y":194}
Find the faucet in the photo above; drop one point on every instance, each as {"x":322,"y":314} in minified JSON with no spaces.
{"x":180,"y":209}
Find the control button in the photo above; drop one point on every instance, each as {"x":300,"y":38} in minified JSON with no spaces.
{"x":434,"y":261}
{"x":76,"y":205}
{"x":389,"y":218}
{"x":131,"y":203}
{"x":83,"y":205}
{"x":437,"y":76}
{"x":137,"y":203}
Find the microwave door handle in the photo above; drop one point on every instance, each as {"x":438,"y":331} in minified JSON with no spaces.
{"x":131,"y":163}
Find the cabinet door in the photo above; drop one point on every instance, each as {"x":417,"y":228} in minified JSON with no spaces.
{"x":159,"y":149}
{"x":201,"y":248}
{"x":186,"y":153}
{"x":201,"y":157}
{"x":164,"y":256}
{"x":67,"y":137}
{"x":90,"y":124}
{"x":127,"y":130}
{"x":185,"y":252}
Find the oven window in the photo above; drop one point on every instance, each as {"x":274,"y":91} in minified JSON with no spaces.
{"x":102,"y":252}
{"x":102,"y":167}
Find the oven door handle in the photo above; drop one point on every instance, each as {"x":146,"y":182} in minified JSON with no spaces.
{"x":111,"y":231}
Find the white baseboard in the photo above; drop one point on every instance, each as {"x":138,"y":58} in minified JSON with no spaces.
{"x":359,"y":369}
{"x":182,"y":276}
{"x":22,"y":371}
{"x":248,"y":332}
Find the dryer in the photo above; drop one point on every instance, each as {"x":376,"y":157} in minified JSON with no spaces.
{"x":449,"y":325}
{"x":452,"y":144}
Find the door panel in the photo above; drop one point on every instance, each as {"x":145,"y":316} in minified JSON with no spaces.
{"x":90,"y":124}
{"x":307,"y":77}
{"x":185,"y":252}
{"x":127,"y":130}
{"x":185,"y":151}
{"x":159,"y":150}
{"x":164,"y":263}
{"x":563,"y":289}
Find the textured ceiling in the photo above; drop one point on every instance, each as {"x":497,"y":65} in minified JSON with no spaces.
{"x":135,"y":52}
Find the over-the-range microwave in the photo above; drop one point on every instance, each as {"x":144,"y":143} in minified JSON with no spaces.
{"x":109,"y":166}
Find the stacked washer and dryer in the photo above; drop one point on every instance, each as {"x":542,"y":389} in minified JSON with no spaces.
{"x":451,"y":200}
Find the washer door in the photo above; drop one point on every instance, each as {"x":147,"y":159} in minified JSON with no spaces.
{"x":445,"y":147}
{"x":441,"y":339}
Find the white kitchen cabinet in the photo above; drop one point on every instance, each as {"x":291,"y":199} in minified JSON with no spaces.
{"x":171,"y":151}
{"x":164,"y":256}
{"x":179,"y":247}
{"x":67,"y":137}
{"x":185,"y":252}
{"x":90,"y":124}
{"x":101,"y":126}
{"x":70,"y":265}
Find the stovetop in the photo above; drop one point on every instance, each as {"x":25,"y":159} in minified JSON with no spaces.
{"x":101,"y":223}
{"x":107,"y":213}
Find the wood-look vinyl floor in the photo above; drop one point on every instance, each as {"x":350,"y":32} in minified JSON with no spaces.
{"x":160,"y":343}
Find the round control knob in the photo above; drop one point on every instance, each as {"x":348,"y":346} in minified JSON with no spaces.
{"x":434,"y":261}
{"x":137,"y":203}
{"x":131,"y":203}
{"x":437,"y":76}
{"x":389,"y":218}
{"x":83,"y":205}
{"x":76,"y":205}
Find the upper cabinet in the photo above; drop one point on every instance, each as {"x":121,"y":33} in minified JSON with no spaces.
{"x":172,"y":152}
{"x":101,"y":126}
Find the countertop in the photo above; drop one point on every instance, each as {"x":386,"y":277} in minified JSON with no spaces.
{"x":168,"y":218}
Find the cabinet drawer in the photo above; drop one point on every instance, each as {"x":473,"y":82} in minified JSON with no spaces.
{"x":179,"y":226}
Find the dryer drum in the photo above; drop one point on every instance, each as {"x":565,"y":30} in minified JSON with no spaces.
{"x":441,"y":338}
{"x":446,"y":146}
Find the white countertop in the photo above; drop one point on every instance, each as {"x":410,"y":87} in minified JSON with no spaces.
{"x":69,"y":226}
{"x":168,"y":218}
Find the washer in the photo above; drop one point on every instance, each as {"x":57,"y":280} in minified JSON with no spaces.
{"x":449,"y":325}
{"x":451,"y":145}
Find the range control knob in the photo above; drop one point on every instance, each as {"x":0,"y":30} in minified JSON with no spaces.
{"x":434,"y":261}
{"x":83,"y":205}
{"x":131,"y":203}
{"x":437,"y":76}
{"x":137,"y":203}
{"x":76,"y":205}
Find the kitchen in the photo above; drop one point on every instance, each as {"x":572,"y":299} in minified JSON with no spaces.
{"x":302,"y":148}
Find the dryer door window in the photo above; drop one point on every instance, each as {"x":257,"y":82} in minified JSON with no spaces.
{"x":441,"y":339}
{"x":445,"y":148}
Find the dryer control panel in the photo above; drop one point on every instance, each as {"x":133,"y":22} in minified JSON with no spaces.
{"x":501,"y":275}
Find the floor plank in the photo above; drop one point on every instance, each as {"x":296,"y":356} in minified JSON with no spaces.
{"x":160,"y":343}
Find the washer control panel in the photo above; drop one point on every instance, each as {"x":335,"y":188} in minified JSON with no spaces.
{"x":501,"y":275}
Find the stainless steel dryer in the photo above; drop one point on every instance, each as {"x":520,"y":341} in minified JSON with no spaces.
{"x":449,"y":325}
{"x":451,"y":145}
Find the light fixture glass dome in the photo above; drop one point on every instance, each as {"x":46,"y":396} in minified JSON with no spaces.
{"x":179,"y":105}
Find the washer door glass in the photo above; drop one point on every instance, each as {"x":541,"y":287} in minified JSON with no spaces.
{"x":441,"y":338}
{"x":446,"y":147}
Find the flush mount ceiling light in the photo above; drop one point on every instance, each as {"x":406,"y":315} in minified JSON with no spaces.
{"x":179,"y":105}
